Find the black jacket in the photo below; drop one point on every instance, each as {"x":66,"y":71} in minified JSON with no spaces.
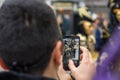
{"x":19,"y":76}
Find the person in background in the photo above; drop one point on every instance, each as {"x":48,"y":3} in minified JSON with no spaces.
{"x":97,"y":34}
{"x":84,"y":29}
{"x":114,"y":6}
{"x":105,"y":33}
{"x":110,"y":67}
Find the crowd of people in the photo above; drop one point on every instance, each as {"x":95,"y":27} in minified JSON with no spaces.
{"x":93,"y":31}
{"x":32,"y":48}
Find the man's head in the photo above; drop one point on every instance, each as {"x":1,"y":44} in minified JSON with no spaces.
{"x":29,"y":35}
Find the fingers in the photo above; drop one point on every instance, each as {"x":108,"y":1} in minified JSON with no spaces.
{"x":86,"y":69}
{"x":86,"y":55}
{"x":62,"y":74}
{"x":71,"y":65}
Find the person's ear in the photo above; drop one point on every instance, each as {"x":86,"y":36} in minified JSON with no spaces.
{"x":57,"y":53}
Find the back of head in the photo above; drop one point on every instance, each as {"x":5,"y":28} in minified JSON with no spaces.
{"x":28,"y":34}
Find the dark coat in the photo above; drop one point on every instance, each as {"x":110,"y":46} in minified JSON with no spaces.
{"x":20,"y":76}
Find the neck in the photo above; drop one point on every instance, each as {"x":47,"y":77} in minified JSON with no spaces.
{"x":50,"y":71}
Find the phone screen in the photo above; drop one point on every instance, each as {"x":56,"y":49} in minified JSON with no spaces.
{"x":71,"y":50}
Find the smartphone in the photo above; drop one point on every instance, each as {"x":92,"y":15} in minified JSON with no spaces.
{"x":71,"y":50}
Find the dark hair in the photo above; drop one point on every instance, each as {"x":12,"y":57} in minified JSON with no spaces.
{"x":114,"y":23}
{"x":28,"y":34}
{"x":78,"y":27}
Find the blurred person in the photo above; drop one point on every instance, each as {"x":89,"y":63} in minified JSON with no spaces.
{"x":83,"y":24}
{"x":101,"y":17}
{"x":114,"y":6}
{"x":102,"y":34}
{"x":59,"y":20}
{"x":97,"y":33}
{"x":105,"y":32}
{"x":31,"y":45}
{"x":114,"y":26}
{"x":104,"y":29}
{"x":110,"y":67}
{"x":65,"y":23}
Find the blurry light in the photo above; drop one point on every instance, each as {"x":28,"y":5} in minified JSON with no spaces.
{"x":1,"y":2}
{"x":82,"y":4}
{"x":75,"y":7}
{"x":48,"y":2}
{"x":94,"y":16}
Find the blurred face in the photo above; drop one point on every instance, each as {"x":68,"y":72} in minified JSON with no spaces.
{"x":117,"y":14}
{"x":88,"y":27}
